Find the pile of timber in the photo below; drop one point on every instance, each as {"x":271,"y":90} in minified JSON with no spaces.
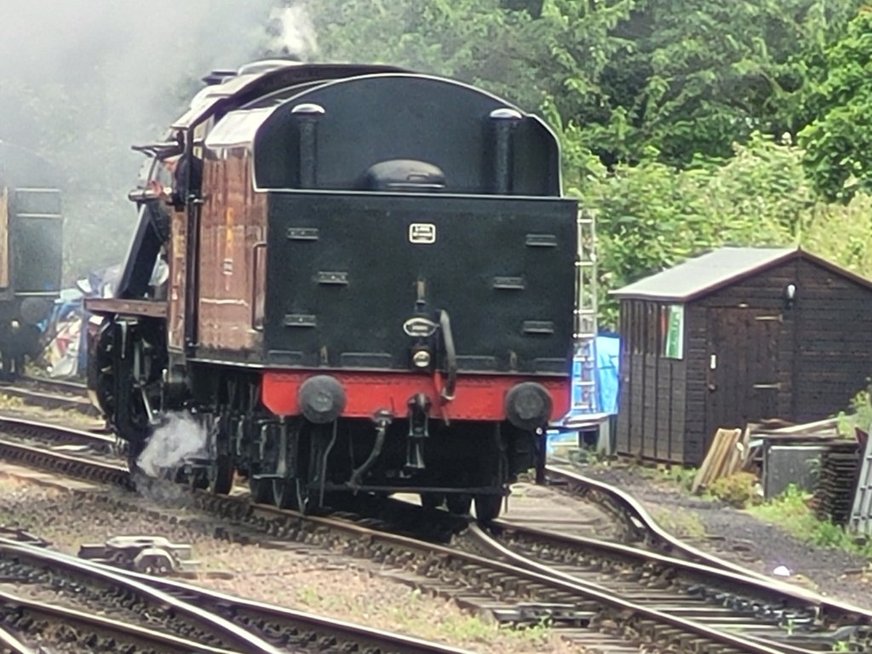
{"x":837,"y":482}
{"x":735,"y":450}
{"x":726,"y":456}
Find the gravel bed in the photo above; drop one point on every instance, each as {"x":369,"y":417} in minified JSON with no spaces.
{"x":313,"y":582}
{"x":739,"y":536}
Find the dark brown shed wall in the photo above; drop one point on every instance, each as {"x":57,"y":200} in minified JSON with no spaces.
{"x":651,"y":413}
{"x":834,"y":341}
{"x":820,"y":346}
{"x":763,"y":297}
{"x":696,"y":352}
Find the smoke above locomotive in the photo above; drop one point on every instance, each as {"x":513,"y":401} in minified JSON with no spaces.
{"x":81,"y":81}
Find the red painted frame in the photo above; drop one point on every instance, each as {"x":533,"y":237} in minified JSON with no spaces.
{"x":476,"y":397}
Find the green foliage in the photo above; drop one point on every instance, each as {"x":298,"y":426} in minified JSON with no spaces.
{"x":738,"y":490}
{"x":691,"y":78}
{"x":791,"y":512}
{"x":839,"y":140}
{"x":652,"y":216}
{"x":858,"y":415}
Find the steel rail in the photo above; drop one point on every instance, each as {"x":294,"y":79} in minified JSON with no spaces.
{"x":226,"y":631}
{"x":768,"y":601}
{"x":97,"y":624}
{"x":10,"y":642}
{"x":567,"y":581}
{"x":65,"y":463}
{"x":363,"y":637}
{"x":50,"y":393}
{"x":75,"y":386}
{"x":47,"y":431}
{"x":660,"y":539}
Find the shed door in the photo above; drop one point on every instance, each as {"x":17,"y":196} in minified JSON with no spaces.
{"x":743,"y":367}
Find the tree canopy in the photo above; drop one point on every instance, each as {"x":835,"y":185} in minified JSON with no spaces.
{"x":684,"y":124}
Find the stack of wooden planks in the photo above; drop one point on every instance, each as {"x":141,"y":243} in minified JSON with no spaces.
{"x":837,"y":482}
{"x":726,"y":456}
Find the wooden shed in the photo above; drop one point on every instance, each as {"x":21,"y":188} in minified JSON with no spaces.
{"x":737,"y":335}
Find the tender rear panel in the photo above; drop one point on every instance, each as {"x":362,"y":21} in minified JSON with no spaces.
{"x":343,"y":276}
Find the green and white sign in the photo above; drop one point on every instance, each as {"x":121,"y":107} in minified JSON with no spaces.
{"x":673,"y":348}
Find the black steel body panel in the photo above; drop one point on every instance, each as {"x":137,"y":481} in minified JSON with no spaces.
{"x":378,"y":118}
{"x":37,"y":254}
{"x":35,"y":229}
{"x":343,"y":277}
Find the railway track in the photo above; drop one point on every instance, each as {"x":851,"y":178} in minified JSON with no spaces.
{"x":574,"y":600}
{"x":595,"y":618}
{"x":50,"y":394}
{"x":264,"y":627}
{"x":69,"y":630}
{"x":644,"y":529}
{"x":740,"y":604}
{"x":137,"y":612}
{"x":282,"y":629}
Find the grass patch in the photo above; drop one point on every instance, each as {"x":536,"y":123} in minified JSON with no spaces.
{"x":791,"y":512}
{"x":671,"y":474}
{"x":684,"y":524}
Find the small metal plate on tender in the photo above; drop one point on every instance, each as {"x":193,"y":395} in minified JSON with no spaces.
{"x":420,"y":327}
{"x":326,"y":278}
{"x":303,"y":233}
{"x":422,"y":233}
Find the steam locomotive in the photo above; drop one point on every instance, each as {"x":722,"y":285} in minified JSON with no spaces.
{"x":358,"y":279}
{"x":30,"y":251}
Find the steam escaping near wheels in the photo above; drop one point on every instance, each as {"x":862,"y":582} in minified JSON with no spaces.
{"x":179,"y":440}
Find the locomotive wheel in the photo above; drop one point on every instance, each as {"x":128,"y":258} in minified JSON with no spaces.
{"x":261,"y":490}
{"x":458,"y":503}
{"x":134,"y":449}
{"x":290,"y":494}
{"x":221,"y":475}
{"x":488,"y":507}
{"x":432,"y":500}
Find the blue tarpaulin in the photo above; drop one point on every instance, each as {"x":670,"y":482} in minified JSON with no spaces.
{"x":607,"y":358}
{"x":608,"y":352}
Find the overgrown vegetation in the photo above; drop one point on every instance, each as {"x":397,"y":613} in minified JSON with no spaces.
{"x":683,"y":524}
{"x":739,"y":490}
{"x":791,"y":512}
{"x":685,"y":125}
{"x":857,"y":416}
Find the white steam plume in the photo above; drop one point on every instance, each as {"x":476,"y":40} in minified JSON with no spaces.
{"x":294,"y":33}
{"x":182,"y":438}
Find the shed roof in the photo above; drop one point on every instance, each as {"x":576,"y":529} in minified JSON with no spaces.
{"x":704,"y":274}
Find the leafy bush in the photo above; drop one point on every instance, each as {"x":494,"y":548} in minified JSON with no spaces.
{"x":737,"y":490}
{"x":790,"y":511}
